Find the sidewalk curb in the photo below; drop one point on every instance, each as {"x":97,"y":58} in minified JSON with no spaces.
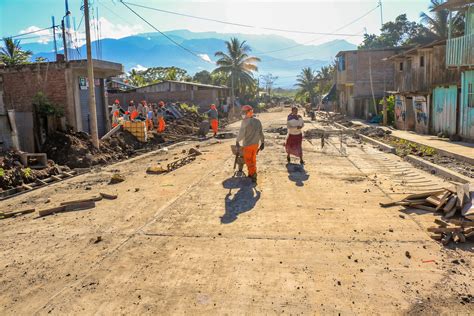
{"x":367,"y":139}
{"x":438,"y":170}
{"x":441,"y":151}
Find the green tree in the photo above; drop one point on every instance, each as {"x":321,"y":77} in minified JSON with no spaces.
{"x":219,"y":78}
{"x":325,"y":78}
{"x":12,"y":54}
{"x":238,"y":65}
{"x":203,"y":76}
{"x":400,"y":32}
{"x":438,"y":21}
{"x":306,"y":81}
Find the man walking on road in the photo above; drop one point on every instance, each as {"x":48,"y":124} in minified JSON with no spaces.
{"x":213,"y":118}
{"x":251,"y":134}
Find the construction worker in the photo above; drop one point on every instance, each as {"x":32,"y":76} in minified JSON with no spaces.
{"x":251,"y":134}
{"x":141,"y":108}
{"x":212,"y":114}
{"x":149,"y":117}
{"x":161,"y":117}
{"x":115,"y":113}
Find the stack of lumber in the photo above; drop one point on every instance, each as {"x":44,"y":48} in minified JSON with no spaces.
{"x":452,"y":230}
{"x":457,"y":201}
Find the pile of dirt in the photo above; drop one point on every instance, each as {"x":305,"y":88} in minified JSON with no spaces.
{"x":13,"y":173}
{"x":278,"y":130}
{"x":187,"y":125}
{"x":371,"y":131}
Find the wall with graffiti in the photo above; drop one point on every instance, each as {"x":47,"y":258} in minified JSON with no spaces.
{"x":420,"y":106}
{"x":400,"y":112}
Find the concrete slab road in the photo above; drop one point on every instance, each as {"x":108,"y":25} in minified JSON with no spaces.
{"x":305,"y":240}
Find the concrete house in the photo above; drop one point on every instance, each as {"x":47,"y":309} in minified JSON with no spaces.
{"x":460,"y":55}
{"x":362,"y":76}
{"x":65,"y":84}
{"x":177,"y":91}
{"x":425,"y":91}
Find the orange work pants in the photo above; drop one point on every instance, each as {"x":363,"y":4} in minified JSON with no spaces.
{"x":215,"y":125}
{"x":149,"y":124}
{"x":250,"y":158}
{"x":161,"y":125}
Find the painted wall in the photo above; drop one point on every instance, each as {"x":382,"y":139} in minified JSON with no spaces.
{"x":466,"y":117}
{"x":444,"y":109}
{"x":400,"y":112}
{"x":420,"y":106}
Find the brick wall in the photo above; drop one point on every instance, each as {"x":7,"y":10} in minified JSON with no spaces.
{"x":21,"y":86}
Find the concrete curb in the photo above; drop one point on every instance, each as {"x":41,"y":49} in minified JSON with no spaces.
{"x":367,"y":139}
{"x":380,"y":145}
{"x":438,"y":170}
{"x":441,"y":151}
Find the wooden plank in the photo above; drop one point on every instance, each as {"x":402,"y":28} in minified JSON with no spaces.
{"x":451,"y":204}
{"x":433,"y":200}
{"x":461,"y":223}
{"x":27,"y":187}
{"x":79,"y":206}
{"x":92,"y":199}
{"x":11,"y":214}
{"x":425,"y":208}
{"x":441,"y":223}
{"x":108,"y":196}
{"x":468,"y":208}
{"x":451,"y":213}
{"x":462,"y":192}
{"x":444,"y":199}
{"x":422,"y":195}
{"x":51,"y":210}
{"x":434,"y":229}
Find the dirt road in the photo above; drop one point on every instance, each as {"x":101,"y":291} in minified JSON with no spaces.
{"x":197,"y":241}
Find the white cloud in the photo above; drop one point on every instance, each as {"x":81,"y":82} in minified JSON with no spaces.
{"x":139,"y":67}
{"x":44,"y":36}
{"x":205,"y":57}
{"x":111,"y":30}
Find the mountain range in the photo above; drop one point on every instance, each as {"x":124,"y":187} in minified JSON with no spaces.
{"x":279,"y":55}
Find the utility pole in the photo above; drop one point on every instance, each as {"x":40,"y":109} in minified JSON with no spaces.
{"x":90,"y":75}
{"x":64,"y":40}
{"x":54,"y":37}
{"x":381,"y":12}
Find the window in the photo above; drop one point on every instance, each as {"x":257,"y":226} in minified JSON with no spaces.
{"x":341,"y":63}
{"x":470,"y":95}
{"x":401,"y":66}
{"x":422,"y":61}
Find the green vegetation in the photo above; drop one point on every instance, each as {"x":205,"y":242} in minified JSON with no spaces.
{"x":203,"y":76}
{"x":45,"y":107}
{"x":239,"y":67}
{"x":390,"y":110}
{"x":12,"y":54}
{"x":26,"y":172}
{"x":189,"y":108}
{"x":2,"y":172}
{"x":306,"y":81}
{"x":151,"y":75}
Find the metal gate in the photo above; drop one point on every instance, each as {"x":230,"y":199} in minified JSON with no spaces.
{"x":85,"y":117}
{"x":466,"y":119}
{"x":444,"y":109}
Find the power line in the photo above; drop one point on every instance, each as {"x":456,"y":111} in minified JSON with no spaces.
{"x":169,"y":38}
{"x":23,"y":34}
{"x":236,"y":24}
{"x":318,"y":38}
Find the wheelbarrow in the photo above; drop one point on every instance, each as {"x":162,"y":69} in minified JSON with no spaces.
{"x":239,"y":159}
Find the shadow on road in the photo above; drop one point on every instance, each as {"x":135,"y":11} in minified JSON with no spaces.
{"x":297,"y":174}
{"x":240,"y":202}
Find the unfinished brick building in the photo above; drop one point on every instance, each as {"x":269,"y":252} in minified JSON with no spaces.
{"x":64,"y":84}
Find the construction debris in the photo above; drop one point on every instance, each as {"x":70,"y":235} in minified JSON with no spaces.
{"x":278,"y":130}
{"x":4,"y":215}
{"x":108,"y":196}
{"x":116,"y":178}
{"x":450,"y":202}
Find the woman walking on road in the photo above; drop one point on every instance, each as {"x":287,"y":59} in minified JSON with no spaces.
{"x":294,"y":140}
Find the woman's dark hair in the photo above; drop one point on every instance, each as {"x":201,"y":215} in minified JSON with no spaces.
{"x":294,"y":108}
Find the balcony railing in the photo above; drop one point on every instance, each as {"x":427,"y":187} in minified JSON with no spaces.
{"x":460,"y":51}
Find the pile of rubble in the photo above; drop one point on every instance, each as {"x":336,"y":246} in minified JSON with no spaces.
{"x":452,"y":202}
{"x":14,"y":174}
{"x":279,"y":130}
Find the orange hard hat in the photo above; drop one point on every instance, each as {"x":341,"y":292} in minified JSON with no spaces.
{"x":213,"y":106}
{"x":126,"y":112}
{"x":246,"y":108}
{"x":117,"y":101}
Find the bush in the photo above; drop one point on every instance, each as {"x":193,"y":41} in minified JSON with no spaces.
{"x":45,"y":107}
{"x":390,"y":110}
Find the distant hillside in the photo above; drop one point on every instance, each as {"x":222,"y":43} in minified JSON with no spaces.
{"x":152,"y":49}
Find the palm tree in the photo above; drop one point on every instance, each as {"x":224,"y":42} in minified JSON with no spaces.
{"x":438,"y":23}
{"x":238,"y":65}
{"x":12,"y":54}
{"x":306,"y":81}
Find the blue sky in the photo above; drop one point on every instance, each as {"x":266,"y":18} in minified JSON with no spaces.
{"x":116,"y":21}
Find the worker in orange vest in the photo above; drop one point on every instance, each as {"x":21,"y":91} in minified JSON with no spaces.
{"x":161,"y":117}
{"x":213,"y":118}
{"x":149,"y":117}
{"x":132,"y":109}
{"x":251,"y":134}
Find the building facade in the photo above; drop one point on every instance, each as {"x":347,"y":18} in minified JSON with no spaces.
{"x":362,"y":77}
{"x":65,"y":85}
